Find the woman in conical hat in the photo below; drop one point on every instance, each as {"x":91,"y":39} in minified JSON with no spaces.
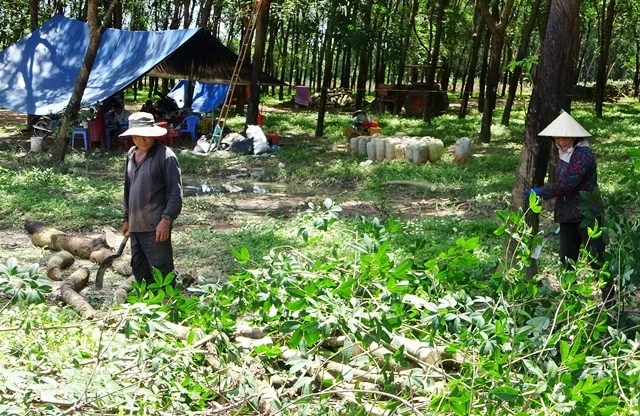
{"x":578,"y":203}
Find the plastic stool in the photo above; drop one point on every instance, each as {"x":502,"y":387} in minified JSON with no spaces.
{"x":80,"y":131}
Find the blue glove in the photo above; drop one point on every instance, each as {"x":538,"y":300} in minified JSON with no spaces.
{"x":537,"y":191}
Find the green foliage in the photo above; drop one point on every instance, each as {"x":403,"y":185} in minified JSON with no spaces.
{"x":166,"y":292}
{"x":22,"y":284}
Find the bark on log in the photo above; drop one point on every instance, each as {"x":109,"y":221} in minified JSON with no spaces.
{"x":69,"y":292}
{"x":98,"y":256}
{"x":268,"y":400}
{"x":121,"y":292}
{"x":122,"y":265}
{"x":53,"y":239}
{"x":58,"y":262}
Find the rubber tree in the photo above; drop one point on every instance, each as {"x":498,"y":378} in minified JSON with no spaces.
{"x":328,"y":65}
{"x":551,"y":94}
{"x":72,"y":109}
{"x":260,"y":41}
{"x":429,"y":101}
{"x":604,"y":43}
{"x":365,"y":54}
{"x":523,"y":48}
{"x":478,"y":25}
{"x":498,"y":29}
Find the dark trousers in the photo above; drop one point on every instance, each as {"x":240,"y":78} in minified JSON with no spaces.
{"x":146,"y":254}
{"x":572,"y":237}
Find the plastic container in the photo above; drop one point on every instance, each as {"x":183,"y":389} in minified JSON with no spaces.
{"x":462,"y":149}
{"x":381,"y":148}
{"x":436,"y":149}
{"x":362,"y":145}
{"x":371,"y":150}
{"x":389,"y":148}
{"x":36,"y":144}
{"x":420,"y":153}
{"x":353,"y":144}
{"x":398,"y":150}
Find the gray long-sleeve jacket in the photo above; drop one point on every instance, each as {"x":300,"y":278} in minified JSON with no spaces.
{"x":152,"y":189}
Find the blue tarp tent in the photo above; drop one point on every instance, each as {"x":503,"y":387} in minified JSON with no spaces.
{"x":206,"y":96}
{"x":39,"y":72}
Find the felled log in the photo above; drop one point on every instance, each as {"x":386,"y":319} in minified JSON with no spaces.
{"x":53,"y":239}
{"x":69,"y":292}
{"x":58,"y":262}
{"x":121,"y":292}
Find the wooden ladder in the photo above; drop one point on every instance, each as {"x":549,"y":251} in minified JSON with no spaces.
{"x":226,"y":105}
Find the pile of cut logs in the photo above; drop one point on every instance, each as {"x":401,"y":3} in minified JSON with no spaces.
{"x":67,"y":248}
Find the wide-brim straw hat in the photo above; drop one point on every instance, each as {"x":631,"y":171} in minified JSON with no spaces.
{"x":143,"y":124}
{"x":564,"y":126}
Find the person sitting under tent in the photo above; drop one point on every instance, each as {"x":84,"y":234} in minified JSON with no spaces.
{"x":148,"y":107}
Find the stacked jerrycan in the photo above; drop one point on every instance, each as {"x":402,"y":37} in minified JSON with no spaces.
{"x":378,"y":147}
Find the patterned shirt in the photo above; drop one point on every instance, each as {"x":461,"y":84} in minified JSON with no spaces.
{"x":580,"y":174}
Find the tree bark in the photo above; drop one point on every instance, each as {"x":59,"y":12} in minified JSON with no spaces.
{"x":58,"y":262}
{"x":69,"y":292}
{"x":605,"y":43}
{"x":478,"y":25}
{"x":260,"y":42}
{"x":53,"y":239}
{"x":71,"y":112}
{"x":427,"y":112}
{"x":328,"y":65}
{"x":520,"y":55}
{"x":551,"y":93}
{"x":363,"y":64}
{"x":497,"y":42}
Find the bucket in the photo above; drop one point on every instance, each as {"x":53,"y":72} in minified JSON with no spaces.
{"x":36,"y":144}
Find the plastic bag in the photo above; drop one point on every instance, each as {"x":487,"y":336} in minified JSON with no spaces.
{"x":260,"y":142}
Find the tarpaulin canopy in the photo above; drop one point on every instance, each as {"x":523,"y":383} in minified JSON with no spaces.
{"x":206,"y":96}
{"x":39,"y":72}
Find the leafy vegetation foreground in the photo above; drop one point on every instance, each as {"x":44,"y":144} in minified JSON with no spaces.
{"x":352,"y":296}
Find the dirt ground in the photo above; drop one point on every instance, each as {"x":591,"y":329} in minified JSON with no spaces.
{"x":232,"y":209}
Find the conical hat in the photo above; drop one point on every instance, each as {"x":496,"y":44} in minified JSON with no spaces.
{"x":564,"y":126}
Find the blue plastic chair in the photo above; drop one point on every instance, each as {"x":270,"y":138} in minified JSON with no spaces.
{"x":80,"y":131}
{"x":189,"y":125}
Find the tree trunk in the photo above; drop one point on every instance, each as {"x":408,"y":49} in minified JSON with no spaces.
{"x":551,"y":93}
{"x":427,"y":112}
{"x":478,"y":25}
{"x":205,"y":14}
{"x":520,"y":55}
{"x":482,"y":81}
{"x":328,"y":65}
{"x":498,"y":30}
{"x":363,"y":64}
{"x":405,"y":41}
{"x":71,"y":112}
{"x":284,"y":54}
{"x":636,"y":78}
{"x":605,"y":43}
{"x":262,"y":24}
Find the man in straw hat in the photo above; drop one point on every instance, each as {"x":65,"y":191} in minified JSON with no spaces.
{"x":578,"y":203}
{"x":152,"y":198}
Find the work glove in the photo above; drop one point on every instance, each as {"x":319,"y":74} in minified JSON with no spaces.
{"x":537,"y":191}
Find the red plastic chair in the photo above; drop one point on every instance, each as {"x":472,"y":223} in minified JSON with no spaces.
{"x":96,"y":133}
